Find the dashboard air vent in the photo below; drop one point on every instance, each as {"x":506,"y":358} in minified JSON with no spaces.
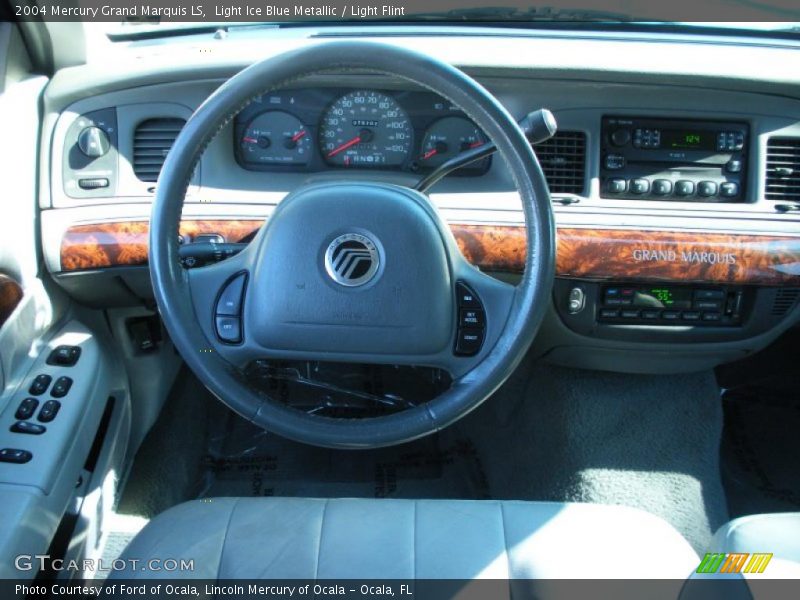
{"x":563,"y":160}
{"x":783,"y":169}
{"x":784,"y":300}
{"x":151,"y":143}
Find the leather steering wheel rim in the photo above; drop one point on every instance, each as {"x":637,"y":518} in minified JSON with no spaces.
{"x":171,"y":281}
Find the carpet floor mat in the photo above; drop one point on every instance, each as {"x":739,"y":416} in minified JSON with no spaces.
{"x":244,"y":460}
{"x":760,"y":446}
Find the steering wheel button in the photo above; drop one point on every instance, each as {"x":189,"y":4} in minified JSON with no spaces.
{"x":469,"y":317}
{"x":229,"y":329}
{"x":466,"y":297}
{"x":230,"y":300}
{"x":469,"y":341}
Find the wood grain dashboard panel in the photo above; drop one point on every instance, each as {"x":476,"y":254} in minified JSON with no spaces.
{"x":581,"y":253}
{"x":10,"y":296}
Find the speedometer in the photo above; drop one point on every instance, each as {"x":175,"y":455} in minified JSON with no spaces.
{"x":365,"y":129}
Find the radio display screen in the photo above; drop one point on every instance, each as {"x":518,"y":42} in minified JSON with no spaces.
{"x":688,"y":139}
{"x":663,"y":297}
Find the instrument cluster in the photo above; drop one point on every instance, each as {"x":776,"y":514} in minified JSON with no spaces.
{"x":319,"y":129}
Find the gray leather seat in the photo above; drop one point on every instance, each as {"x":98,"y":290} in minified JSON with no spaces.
{"x":775,"y":533}
{"x":232,"y":538}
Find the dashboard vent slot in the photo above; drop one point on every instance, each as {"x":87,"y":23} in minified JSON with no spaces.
{"x":783,"y":169}
{"x":563,"y":160}
{"x":784,"y":300}
{"x":152,"y":141}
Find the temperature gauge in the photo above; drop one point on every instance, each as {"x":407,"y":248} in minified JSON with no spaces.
{"x":276,"y":138}
{"x":448,"y":137}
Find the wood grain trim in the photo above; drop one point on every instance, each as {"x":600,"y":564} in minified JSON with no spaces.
{"x":582,"y":253}
{"x":95,"y":246}
{"x":643,"y":255}
{"x":10,"y":296}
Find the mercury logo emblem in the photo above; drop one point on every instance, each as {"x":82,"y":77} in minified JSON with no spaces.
{"x":352,"y":259}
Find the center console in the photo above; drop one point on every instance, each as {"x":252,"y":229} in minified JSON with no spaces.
{"x":670,"y":159}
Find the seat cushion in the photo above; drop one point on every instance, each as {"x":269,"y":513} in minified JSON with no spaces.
{"x":237,"y":538}
{"x":775,"y":533}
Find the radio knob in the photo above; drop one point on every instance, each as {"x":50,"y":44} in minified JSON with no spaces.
{"x":620,"y":137}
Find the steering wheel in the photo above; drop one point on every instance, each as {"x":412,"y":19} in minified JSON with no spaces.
{"x":351,"y":271}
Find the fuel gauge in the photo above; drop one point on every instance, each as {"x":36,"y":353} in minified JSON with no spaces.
{"x":448,"y":137}
{"x":276,"y":138}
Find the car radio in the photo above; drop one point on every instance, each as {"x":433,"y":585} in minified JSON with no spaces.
{"x":670,"y":159}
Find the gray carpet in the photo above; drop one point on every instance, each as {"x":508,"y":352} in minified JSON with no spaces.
{"x":548,"y":434}
{"x":650,"y":442}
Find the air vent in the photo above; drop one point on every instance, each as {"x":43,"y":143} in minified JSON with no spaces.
{"x":563,"y":160}
{"x":151,"y":143}
{"x":784,"y":300}
{"x":783,"y":169}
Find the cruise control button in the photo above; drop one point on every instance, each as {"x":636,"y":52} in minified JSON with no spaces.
{"x":61,"y":387}
{"x":468,"y":341}
{"x":639,"y":186}
{"x":469,"y":317}
{"x":229,"y":329}
{"x":706,"y":189}
{"x":40,"y":385}
{"x":662,"y":187}
{"x":26,"y":409}
{"x":15,"y":455}
{"x":28,"y":427}
{"x":230,"y":300}
{"x":466,"y":297}
{"x":64,"y":356}
{"x":49,"y":411}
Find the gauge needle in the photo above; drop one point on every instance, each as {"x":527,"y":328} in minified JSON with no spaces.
{"x":297,"y":136}
{"x":250,"y":140}
{"x":476,"y":144}
{"x":430,"y":153}
{"x":344,"y":146}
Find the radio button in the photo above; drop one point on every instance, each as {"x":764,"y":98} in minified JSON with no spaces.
{"x":620,"y":137}
{"x":651,"y":314}
{"x":691,"y":316}
{"x":670,"y":315}
{"x":617,"y":186}
{"x":609,"y":313}
{"x":684,"y":187}
{"x":630,"y":314}
{"x":734,"y":165}
{"x":639,"y":186}
{"x":662,"y":187}
{"x":712,"y":316}
{"x":706,"y":188}
{"x":729,"y":189}
{"x":707,"y":304}
{"x":615,"y":162}
{"x":709,"y":294}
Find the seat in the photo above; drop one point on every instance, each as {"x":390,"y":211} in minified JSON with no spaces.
{"x":775,"y":533}
{"x":293,"y":538}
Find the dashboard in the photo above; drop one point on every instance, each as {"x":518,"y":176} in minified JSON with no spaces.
{"x":314,"y":129}
{"x":669,"y":181}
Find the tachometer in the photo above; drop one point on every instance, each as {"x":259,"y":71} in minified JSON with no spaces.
{"x":448,"y":137}
{"x":365,"y":129}
{"x":276,"y":137}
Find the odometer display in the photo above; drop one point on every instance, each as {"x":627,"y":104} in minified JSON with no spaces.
{"x":365,"y":129}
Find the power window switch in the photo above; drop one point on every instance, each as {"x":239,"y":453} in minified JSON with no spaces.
{"x":40,"y":385}
{"x":15,"y":455}
{"x":49,"y":411}
{"x":28,"y":427}
{"x":61,"y":387}
{"x":26,"y":409}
